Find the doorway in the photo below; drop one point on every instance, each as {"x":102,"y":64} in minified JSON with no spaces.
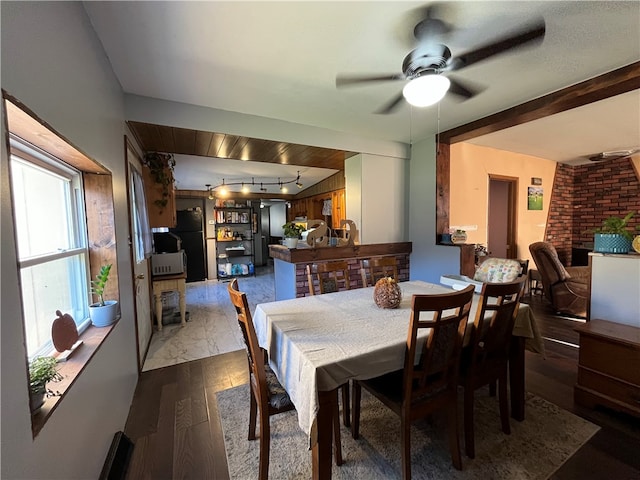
{"x":140,"y":241}
{"x":501,"y":217}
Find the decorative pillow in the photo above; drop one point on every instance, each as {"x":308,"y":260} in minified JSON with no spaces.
{"x":498,"y":270}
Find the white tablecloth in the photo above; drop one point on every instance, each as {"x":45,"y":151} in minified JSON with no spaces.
{"x":318,"y":343}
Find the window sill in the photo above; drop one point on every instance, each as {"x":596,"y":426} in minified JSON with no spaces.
{"x":70,"y":369}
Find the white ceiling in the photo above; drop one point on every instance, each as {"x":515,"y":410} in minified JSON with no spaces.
{"x":280,"y":60}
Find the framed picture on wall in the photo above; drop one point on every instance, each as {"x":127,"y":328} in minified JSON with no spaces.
{"x":534,"y":198}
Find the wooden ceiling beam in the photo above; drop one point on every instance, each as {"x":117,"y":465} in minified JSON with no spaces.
{"x":608,"y":85}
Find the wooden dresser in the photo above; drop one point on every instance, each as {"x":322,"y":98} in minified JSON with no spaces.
{"x":609,"y":366}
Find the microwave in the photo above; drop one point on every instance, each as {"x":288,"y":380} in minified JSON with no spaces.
{"x":168,"y":263}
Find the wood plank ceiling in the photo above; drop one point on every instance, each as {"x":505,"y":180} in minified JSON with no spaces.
{"x":161,"y":138}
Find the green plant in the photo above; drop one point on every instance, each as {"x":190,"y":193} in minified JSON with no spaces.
{"x":161,"y":168}
{"x":291,"y":230}
{"x":41,"y":371}
{"x":97,"y":285}
{"x":618,"y":226}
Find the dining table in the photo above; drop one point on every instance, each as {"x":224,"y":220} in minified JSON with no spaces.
{"x":316,"y":344}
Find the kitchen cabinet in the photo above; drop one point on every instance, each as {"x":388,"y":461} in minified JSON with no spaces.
{"x":338,"y":207}
{"x":235,"y":245}
{"x":161,"y":209}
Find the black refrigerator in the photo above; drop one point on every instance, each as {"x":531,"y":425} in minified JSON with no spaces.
{"x":189,"y":228}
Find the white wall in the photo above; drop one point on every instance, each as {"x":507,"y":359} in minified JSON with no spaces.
{"x":353,"y":192}
{"x":151,"y":110}
{"x":384,"y":207}
{"x":428,"y":260}
{"x":53,"y":63}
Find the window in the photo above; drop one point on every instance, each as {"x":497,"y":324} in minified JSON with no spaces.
{"x":142,"y":244}
{"x":51,"y":241}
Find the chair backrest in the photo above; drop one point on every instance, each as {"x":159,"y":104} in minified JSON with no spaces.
{"x":549,"y":266}
{"x":374,"y":269}
{"x":493,"y":325}
{"x":330,"y":277}
{"x":255,"y":355}
{"x":437,"y":369}
{"x":498,"y":270}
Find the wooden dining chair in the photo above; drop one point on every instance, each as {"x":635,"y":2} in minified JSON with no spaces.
{"x":374,"y":269}
{"x":429,"y":385}
{"x":268,"y":396}
{"x":329,"y":276}
{"x":485,"y":358}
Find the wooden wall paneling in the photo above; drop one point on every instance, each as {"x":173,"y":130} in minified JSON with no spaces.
{"x":240,"y":149}
{"x":101,"y":232}
{"x":329,"y":184}
{"x":162,"y":138}
{"x":185,"y":140}
{"x":159,"y":216}
{"x":216,"y":143}
{"x":338,"y":207}
{"x":227,"y":145}
{"x":467,"y":259}
{"x":167,"y":140}
{"x":443,"y":161}
{"x":202,"y":143}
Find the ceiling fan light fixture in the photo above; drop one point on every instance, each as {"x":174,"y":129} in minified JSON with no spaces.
{"x":426,"y":90}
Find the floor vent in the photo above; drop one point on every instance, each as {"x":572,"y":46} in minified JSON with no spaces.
{"x":117,"y":461}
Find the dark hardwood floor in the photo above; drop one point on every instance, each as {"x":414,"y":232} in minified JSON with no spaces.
{"x":174,"y":421}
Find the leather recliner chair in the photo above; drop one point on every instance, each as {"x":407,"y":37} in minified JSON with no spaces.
{"x":566,"y":287}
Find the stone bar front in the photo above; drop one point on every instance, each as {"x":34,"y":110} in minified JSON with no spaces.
{"x":290,"y":264}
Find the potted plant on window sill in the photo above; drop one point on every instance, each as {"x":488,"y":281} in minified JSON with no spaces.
{"x":104,"y":312}
{"x":41,"y":371}
{"x":292,"y":234}
{"x":614,"y":236}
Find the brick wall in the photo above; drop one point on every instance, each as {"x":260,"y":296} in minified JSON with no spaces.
{"x":602,"y":190}
{"x":559,"y":229}
{"x":583,"y":196}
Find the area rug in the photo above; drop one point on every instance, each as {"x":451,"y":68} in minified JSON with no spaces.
{"x":535,"y":449}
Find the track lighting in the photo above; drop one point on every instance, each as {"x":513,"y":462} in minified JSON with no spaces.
{"x":210,"y":190}
{"x":223,"y":190}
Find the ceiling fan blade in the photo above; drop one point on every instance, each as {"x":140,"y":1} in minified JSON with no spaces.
{"x":529,"y":34}
{"x":348,"y":80}
{"x":464,"y":91}
{"x":390,"y":106}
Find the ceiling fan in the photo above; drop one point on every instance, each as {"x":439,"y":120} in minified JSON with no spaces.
{"x":424,"y":67}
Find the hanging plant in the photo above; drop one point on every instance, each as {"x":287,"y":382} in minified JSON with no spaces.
{"x":161,"y":168}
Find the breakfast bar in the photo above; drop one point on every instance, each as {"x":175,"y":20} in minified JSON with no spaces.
{"x":289,"y":263}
